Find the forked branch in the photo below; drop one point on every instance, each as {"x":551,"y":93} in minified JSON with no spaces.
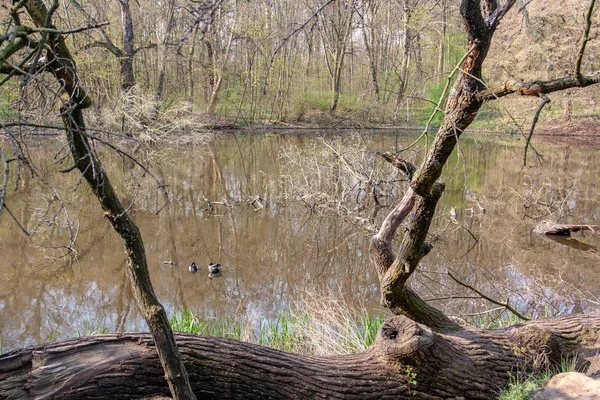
{"x":395,"y":270}
{"x":545,"y":100}
{"x":584,"y":39}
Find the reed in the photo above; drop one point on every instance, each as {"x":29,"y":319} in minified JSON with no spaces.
{"x":330,"y":328}
{"x":523,"y":388}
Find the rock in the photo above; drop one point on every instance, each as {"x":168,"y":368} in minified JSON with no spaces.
{"x":570,"y":386}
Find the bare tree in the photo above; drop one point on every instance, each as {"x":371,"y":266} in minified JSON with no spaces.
{"x":125,"y":55}
{"x":218,"y":42}
{"x":368,"y":14}
{"x":335,"y":27}
{"x":164,"y":51}
{"x":74,"y":100}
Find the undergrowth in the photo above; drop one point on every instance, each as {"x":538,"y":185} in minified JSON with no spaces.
{"x":523,"y":389}
{"x":314,"y":326}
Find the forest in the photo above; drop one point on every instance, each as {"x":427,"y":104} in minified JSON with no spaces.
{"x":100,"y":96}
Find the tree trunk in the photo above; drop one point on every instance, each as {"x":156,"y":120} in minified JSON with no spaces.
{"x":126,"y":62}
{"x":214,"y":93}
{"x":552,"y":228}
{"x":334,"y":36}
{"x":189,"y":93}
{"x":336,"y":81}
{"x":403,"y":75}
{"x":164,"y":55}
{"x":219,"y":57}
{"x":442,"y":44}
{"x":370,"y":50}
{"x":74,"y":98}
{"x":407,"y":361}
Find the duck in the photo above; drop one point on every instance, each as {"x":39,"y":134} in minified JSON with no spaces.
{"x":214,"y":268}
{"x":193,"y":267}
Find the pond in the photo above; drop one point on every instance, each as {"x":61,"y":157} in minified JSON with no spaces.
{"x":300,"y":236}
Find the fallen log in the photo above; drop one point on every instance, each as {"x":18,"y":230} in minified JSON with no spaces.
{"x":552,"y":228}
{"x":407,"y":361}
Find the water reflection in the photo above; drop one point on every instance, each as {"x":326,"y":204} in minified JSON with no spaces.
{"x":272,"y":254}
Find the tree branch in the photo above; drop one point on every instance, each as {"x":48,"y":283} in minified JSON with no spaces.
{"x":108,"y":44}
{"x":4,"y":180}
{"x":537,"y":88}
{"x":584,"y":39}
{"x":545,"y":101}
{"x":505,"y":305}
{"x":16,"y":220}
{"x":406,"y":167}
{"x":283,"y":41}
{"x":500,"y":12}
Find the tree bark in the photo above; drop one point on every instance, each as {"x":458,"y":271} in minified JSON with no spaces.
{"x":407,"y":361}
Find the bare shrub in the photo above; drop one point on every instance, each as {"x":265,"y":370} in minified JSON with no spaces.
{"x":337,"y":174}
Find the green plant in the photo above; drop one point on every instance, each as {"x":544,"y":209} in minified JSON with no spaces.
{"x":87,"y":331}
{"x":316,"y":325}
{"x":411,"y":375}
{"x":8,"y":95}
{"x":523,"y":389}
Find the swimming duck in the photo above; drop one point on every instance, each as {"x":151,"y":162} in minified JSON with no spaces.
{"x":214,"y":268}
{"x":193,"y":267}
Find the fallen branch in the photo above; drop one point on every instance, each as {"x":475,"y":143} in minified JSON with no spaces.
{"x":552,"y":228}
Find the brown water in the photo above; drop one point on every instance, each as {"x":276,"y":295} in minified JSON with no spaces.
{"x":294,"y":244}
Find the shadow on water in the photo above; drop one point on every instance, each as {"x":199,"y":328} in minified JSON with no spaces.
{"x":573,"y":243}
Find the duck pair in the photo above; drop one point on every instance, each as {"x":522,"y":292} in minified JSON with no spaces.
{"x":212,"y":268}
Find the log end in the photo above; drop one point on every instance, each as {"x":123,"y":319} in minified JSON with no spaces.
{"x":402,"y":339}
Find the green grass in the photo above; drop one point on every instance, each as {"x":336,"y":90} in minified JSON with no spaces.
{"x":494,"y":320}
{"x":523,"y":389}
{"x":297,"y":332}
{"x":8,"y":94}
{"x":87,"y":331}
